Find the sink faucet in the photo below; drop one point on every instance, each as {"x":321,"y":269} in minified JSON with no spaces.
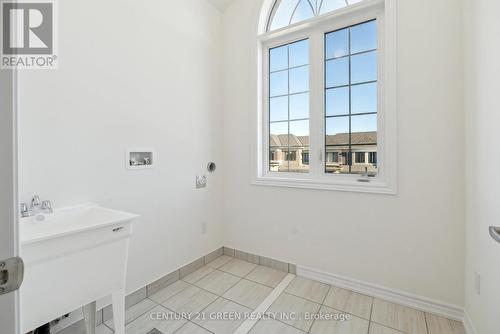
{"x":35,"y":204}
{"x":35,"y":207}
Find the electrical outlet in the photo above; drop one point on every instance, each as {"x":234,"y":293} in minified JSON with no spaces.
{"x":477,"y":283}
{"x":204,"y":228}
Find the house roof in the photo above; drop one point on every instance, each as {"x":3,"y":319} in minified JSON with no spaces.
{"x":340,"y":139}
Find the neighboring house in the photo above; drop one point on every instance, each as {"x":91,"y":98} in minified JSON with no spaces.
{"x":290,"y":153}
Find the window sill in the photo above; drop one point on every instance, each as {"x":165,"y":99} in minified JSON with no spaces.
{"x":375,"y":186}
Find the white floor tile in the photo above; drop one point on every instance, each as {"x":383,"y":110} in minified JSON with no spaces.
{"x":350,"y":302}
{"x":267,"y":276}
{"x":298,"y":310}
{"x":399,"y":317}
{"x":439,"y":325}
{"x":190,"y":300}
{"x":238,"y":267}
{"x":191,"y":328}
{"x":308,"y":289}
{"x":379,"y":329}
{"x":217,"y":282}
{"x":214,"y":316}
{"x":336,"y":322}
{"x":198,"y":274}
{"x":247,"y":293}
{"x":274,"y":327}
{"x":169,"y":291}
{"x":159,"y":318}
{"x":135,"y":311}
{"x":220,"y":261}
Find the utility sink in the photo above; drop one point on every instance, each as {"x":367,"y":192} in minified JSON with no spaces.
{"x":73,"y":257}
{"x":67,"y":221}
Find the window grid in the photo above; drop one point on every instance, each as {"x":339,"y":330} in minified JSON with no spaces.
{"x":286,"y":156}
{"x":288,"y":68}
{"x":349,"y":157}
{"x":284,"y":11}
{"x":351,"y":54}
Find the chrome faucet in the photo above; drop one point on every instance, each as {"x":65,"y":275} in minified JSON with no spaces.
{"x":35,"y":207}
{"x":35,"y":204}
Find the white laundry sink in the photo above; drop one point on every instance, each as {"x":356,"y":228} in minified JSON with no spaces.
{"x":72,"y":258}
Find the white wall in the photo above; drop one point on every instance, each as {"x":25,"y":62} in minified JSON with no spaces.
{"x":483,"y":178}
{"x":131,"y":74}
{"x":412,"y":242}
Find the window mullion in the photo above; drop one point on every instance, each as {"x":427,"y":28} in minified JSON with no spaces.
{"x":316,"y":103}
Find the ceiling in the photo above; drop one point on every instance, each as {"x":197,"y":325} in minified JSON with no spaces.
{"x":221,"y":4}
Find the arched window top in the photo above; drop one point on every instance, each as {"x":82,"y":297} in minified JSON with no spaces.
{"x":286,"y":12}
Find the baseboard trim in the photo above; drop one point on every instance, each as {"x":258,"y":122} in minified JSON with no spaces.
{"x":469,"y":326}
{"x":449,"y":311}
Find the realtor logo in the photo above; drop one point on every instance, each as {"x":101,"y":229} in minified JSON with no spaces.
{"x":28,"y":30}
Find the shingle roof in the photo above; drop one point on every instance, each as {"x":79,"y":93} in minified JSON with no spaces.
{"x":358,"y":138}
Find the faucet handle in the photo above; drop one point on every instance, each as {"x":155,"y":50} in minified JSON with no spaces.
{"x":47,"y":206}
{"x":25,"y":212}
{"x":35,"y":201}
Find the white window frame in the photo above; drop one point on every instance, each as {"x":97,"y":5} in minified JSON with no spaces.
{"x":384,"y":11}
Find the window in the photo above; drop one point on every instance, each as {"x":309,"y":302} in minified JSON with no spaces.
{"x":332,"y":157}
{"x":289,"y":104}
{"x":288,"y":12}
{"x":329,"y":95}
{"x":360,"y":157}
{"x":305,"y":158}
{"x":351,"y":93}
{"x":290,"y":156}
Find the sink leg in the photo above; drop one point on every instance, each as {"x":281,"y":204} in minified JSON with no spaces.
{"x":89,"y":312}
{"x":119,"y":311}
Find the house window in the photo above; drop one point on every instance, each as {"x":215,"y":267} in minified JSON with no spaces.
{"x":290,"y":156}
{"x":360,"y":157}
{"x":305,"y":158}
{"x":328,"y":95}
{"x":332,"y":157}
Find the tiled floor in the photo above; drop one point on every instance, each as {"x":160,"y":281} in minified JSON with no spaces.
{"x":216,"y":298}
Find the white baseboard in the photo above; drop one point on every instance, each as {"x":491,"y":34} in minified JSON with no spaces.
{"x":446,"y":310}
{"x":469,"y":326}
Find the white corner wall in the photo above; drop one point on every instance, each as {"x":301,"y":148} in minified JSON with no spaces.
{"x":482,"y":49}
{"x":131,"y":74}
{"x":412,"y":242}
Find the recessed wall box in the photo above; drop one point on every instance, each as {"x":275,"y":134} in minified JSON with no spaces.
{"x":139,"y":158}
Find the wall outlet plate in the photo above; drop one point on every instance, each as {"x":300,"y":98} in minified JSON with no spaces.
{"x":139,"y":158}
{"x":201,"y":181}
